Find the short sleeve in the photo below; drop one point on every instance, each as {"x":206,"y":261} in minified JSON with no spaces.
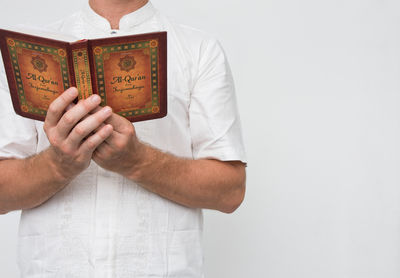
{"x":214,"y":119}
{"x":18,"y":136}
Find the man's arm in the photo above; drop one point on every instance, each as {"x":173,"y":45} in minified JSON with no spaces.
{"x":203,"y":183}
{"x":27,"y":183}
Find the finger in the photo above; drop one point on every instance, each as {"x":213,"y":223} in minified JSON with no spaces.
{"x":114,"y":138}
{"x":90,"y":144}
{"x":97,"y":109}
{"x":119,"y":123}
{"x":103,"y":150}
{"x":75,"y":114}
{"x":84,"y":128}
{"x":69,"y":107}
{"x":57,"y":107}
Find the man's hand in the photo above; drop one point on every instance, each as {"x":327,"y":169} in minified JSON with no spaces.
{"x":121,"y":151}
{"x":73,"y":135}
{"x":70,"y":133}
{"x":203,"y":183}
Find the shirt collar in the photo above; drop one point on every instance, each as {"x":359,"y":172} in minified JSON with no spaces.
{"x":126,"y":23}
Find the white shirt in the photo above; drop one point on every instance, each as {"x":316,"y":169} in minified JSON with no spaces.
{"x":101,"y":224}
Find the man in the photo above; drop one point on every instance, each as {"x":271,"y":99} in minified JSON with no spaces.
{"x":104,"y":198}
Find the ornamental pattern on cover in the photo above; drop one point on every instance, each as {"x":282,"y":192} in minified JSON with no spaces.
{"x":127,"y":76}
{"x":41,"y":74}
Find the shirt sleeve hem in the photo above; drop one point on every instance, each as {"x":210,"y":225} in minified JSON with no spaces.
{"x":224,"y":155}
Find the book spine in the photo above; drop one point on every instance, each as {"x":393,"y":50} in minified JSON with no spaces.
{"x":95,"y":88}
{"x":81,"y":68}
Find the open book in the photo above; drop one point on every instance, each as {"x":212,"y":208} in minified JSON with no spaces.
{"x":129,"y":73}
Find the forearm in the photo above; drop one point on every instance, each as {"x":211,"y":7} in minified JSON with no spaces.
{"x":74,"y":132}
{"x":203,"y":183}
{"x":27,"y":183}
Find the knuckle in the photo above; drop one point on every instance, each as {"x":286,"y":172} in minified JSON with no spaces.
{"x":52,"y":139}
{"x":120,"y":145}
{"x":87,"y":105}
{"x":130,"y":131}
{"x":52,"y":109}
{"x":79,"y":130}
{"x":103,"y":135}
{"x":91,"y":143}
{"x":68,"y":119}
{"x":97,"y":120}
{"x":66,"y":149}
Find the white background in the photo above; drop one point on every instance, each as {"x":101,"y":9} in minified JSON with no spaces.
{"x":318,"y":84}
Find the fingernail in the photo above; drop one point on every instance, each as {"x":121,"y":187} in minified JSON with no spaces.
{"x":73,"y":91}
{"x":106,"y":110}
{"x":94,"y":98}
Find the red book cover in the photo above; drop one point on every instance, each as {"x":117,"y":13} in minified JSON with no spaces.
{"x":129,"y":73}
